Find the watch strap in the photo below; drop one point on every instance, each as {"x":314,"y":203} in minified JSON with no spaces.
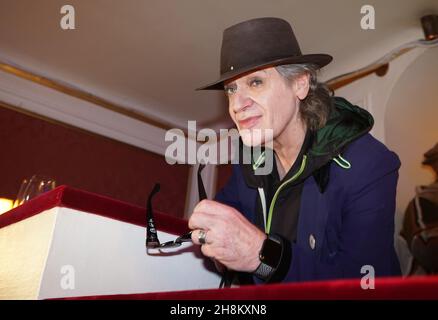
{"x":264,"y":271}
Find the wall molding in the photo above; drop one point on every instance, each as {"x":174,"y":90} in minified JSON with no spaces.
{"x":72,"y":91}
{"x":373,"y":92}
{"x":59,"y":107}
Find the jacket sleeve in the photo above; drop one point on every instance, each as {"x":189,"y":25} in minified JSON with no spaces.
{"x":367,"y":232}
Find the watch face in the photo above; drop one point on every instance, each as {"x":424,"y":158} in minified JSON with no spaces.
{"x":271,"y":253}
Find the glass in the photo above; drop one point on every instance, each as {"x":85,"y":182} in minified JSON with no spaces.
{"x":36,"y":185}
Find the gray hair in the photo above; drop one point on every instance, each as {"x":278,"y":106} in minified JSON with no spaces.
{"x":316,"y":107}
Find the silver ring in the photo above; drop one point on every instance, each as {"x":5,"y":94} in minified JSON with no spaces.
{"x":202,"y":237}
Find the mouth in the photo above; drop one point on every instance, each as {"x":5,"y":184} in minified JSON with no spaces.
{"x":248,"y":122}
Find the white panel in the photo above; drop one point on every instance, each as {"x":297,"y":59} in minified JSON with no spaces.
{"x":24,"y":247}
{"x":109,"y":257}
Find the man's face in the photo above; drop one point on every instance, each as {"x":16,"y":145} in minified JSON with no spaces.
{"x":261,"y":100}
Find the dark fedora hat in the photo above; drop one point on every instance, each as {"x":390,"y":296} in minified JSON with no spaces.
{"x":260,"y":43}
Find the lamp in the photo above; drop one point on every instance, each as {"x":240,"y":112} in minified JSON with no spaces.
{"x":5,"y":205}
{"x":430,"y":26}
{"x":430,"y":29}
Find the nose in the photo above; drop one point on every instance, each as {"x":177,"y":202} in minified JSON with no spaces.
{"x":240,"y":101}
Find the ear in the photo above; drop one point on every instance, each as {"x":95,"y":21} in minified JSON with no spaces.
{"x":302,"y":85}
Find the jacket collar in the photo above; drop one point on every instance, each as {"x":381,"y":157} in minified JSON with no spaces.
{"x":346,"y":123}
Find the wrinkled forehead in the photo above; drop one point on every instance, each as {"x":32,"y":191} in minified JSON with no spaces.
{"x":266,"y":72}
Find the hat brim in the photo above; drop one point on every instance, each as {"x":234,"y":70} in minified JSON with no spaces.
{"x":320,"y":60}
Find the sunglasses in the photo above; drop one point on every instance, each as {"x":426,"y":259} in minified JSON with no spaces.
{"x":152,"y":241}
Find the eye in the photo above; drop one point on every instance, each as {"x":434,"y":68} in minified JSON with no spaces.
{"x":230,"y":90}
{"x":255,"y":82}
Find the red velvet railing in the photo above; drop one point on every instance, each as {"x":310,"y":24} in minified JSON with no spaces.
{"x":64,"y":196}
{"x":414,"y":288}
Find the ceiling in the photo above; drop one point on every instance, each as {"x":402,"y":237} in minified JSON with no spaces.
{"x":150,"y":55}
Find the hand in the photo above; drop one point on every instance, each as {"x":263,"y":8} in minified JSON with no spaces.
{"x":230,"y":238}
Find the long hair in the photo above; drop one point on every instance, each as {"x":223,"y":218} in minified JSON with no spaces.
{"x":316,"y":107}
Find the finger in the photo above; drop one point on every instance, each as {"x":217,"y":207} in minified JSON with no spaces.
{"x":202,"y":220}
{"x":207,"y":251}
{"x":210,"y":206}
{"x":196,"y":235}
{"x":219,"y":266}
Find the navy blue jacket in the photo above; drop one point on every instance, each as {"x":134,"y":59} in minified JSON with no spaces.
{"x":348,"y":222}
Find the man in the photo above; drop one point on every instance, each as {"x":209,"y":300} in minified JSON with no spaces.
{"x":327,"y":208}
{"x":420,"y":223}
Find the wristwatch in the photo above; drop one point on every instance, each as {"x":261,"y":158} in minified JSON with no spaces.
{"x":270,"y":256}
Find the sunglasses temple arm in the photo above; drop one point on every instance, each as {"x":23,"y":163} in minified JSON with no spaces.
{"x":187,"y":237}
{"x":151,"y":233}
{"x":201,"y":189}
